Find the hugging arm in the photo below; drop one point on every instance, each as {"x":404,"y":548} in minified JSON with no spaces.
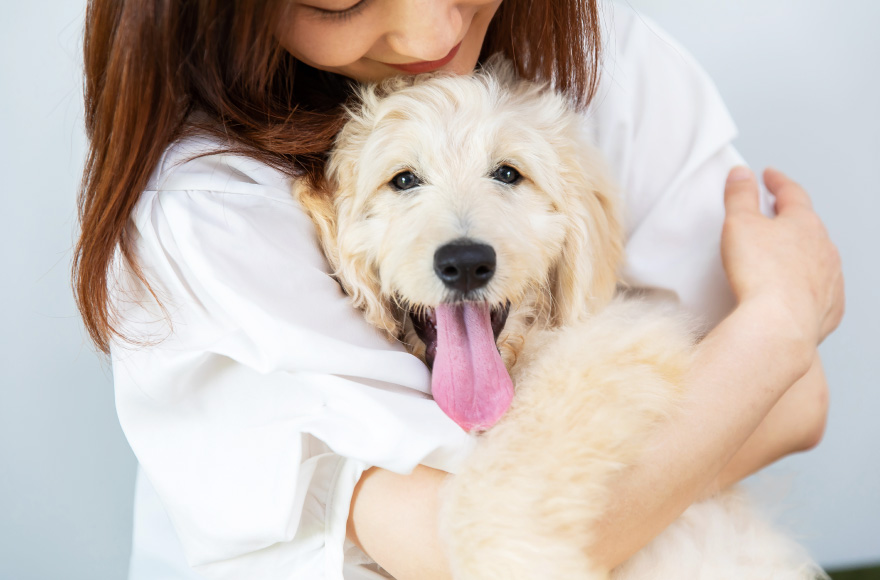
{"x":393,"y":517}
{"x":756,"y":375}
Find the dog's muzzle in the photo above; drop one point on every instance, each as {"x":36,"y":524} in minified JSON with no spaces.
{"x":469,"y":381}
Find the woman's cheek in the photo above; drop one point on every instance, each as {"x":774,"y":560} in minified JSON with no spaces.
{"x":325,"y":45}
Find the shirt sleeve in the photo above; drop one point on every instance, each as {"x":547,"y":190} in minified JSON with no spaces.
{"x":668,"y":136}
{"x":257,"y":395}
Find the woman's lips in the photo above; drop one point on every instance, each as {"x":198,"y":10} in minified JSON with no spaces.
{"x":424,"y":66}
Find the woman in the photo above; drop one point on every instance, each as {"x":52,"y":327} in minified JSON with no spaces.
{"x":278,"y":430}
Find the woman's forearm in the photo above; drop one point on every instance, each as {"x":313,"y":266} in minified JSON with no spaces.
{"x":394,"y":519}
{"x":738,"y":402}
{"x":796,"y":423}
{"x":741,"y":370}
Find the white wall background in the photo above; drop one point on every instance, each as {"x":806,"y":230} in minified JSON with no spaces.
{"x":801,"y":78}
{"x":66,"y":473}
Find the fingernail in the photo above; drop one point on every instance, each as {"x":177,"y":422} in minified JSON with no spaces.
{"x":739,"y":173}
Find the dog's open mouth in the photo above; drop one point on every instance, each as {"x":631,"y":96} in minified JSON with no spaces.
{"x":425,"y":324}
{"x":469,"y":382}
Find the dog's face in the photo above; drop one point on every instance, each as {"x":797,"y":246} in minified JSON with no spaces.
{"x":465,"y":210}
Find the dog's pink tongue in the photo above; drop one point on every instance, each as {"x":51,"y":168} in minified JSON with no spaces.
{"x":470,"y":382}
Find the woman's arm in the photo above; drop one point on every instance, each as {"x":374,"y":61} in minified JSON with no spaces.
{"x":796,"y":423}
{"x":740,"y":372}
{"x":394,"y":518}
{"x":396,"y":515}
{"x":786,"y":276}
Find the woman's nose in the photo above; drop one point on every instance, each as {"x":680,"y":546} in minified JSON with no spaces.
{"x":425,"y":29}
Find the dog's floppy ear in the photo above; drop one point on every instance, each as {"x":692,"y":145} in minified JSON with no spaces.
{"x":358,"y":278}
{"x":586,"y":274}
{"x":318,"y":205}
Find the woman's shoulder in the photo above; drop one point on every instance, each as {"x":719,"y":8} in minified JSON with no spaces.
{"x":667,"y":136}
{"x":650,"y":83}
{"x":200,"y":163}
{"x":205,"y":203}
{"x":629,"y":36}
{"x":207,"y":216}
{"x":656,"y":116}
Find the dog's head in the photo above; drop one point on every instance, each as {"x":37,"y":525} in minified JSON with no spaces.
{"x":462,"y":211}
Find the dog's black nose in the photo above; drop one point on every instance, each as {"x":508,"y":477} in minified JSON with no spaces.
{"x":464,"y":265}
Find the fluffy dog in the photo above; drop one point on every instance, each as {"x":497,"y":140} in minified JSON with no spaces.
{"x":467,"y":217}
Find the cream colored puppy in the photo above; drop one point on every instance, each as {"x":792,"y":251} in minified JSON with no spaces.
{"x":467,"y":217}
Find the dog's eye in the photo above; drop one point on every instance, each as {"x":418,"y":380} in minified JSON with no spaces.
{"x":506,"y":174}
{"x":404,"y":180}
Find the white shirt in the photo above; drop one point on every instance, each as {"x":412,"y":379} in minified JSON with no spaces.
{"x":255,"y":414}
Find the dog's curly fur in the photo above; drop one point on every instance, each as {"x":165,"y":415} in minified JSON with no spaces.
{"x":594,"y":373}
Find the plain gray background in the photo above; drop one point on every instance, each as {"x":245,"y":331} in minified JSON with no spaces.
{"x":801,"y":79}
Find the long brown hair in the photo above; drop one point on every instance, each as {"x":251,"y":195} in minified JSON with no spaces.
{"x":150,"y":64}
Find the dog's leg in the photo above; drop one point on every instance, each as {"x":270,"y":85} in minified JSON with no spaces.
{"x":525,"y":504}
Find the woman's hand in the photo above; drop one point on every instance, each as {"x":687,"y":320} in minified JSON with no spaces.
{"x":788,"y":260}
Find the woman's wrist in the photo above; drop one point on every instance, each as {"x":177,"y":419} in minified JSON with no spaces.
{"x":770,"y":327}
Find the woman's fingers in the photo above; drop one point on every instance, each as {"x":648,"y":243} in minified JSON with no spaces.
{"x":788,"y":260}
{"x":741,"y":191}
{"x":787,"y":192}
{"x":791,"y":197}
